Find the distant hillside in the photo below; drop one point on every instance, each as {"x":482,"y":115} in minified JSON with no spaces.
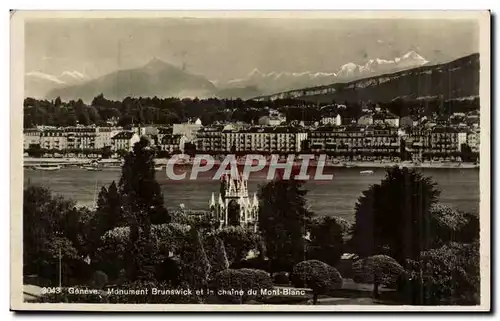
{"x":453,"y":80}
{"x":157,"y":78}
{"x":243,"y":93}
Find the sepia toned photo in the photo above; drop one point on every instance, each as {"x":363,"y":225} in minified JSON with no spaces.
{"x":250,"y":161}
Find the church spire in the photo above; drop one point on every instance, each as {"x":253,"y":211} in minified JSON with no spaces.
{"x":221,"y":202}
{"x":212,"y":201}
{"x":255,"y":201}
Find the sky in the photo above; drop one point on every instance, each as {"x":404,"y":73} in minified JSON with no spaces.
{"x":224,"y":49}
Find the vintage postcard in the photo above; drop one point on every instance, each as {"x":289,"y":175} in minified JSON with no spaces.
{"x":250,"y":161}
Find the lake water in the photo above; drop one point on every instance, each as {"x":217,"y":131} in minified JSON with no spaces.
{"x":459,"y":187}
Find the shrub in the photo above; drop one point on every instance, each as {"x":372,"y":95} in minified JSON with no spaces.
{"x":327,"y":242}
{"x":377,"y":269}
{"x":447,"y":275}
{"x":238,"y":286}
{"x":281,"y":278}
{"x":237,"y":242}
{"x":319,"y":276}
{"x":99,"y":279}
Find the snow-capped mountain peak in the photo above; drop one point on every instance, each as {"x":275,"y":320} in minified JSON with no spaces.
{"x":73,"y":74}
{"x":255,"y":73}
{"x":38,"y":83}
{"x":65,"y":77}
{"x":276,"y":81}
{"x":43,"y":76}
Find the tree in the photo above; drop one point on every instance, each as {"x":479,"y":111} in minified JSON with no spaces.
{"x":393,"y":217}
{"x":316,"y":275}
{"x":327,"y":241}
{"x":112,"y":254}
{"x":195,"y":265}
{"x":138,"y":185}
{"x":216,"y":253}
{"x":108,"y":214}
{"x":142,"y":203}
{"x":377,"y":269}
{"x":450,"y":225}
{"x":283,"y":220}
{"x":447,"y":275}
{"x":39,"y":239}
{"x":237,"y":241}
{"x":241,"y":285}
{"x":106,"y":152}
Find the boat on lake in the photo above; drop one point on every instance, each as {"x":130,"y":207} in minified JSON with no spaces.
{"x":47,"y":167}
{"x":367,"y":172}
{"x":93,"y":168}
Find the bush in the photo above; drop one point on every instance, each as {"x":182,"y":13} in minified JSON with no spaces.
{"x":319,"y":276}
{"x":377,"y":269}
{"x":238,"y":286}
{"x":449,"y":275}
{"x":281,"y":278}
{"x":237,"y":242}
{"x":327,"y":241}
{"x":99,"y":279}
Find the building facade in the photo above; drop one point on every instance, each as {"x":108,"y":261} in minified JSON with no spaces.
{"x":80,"y":138}
{"x":209,"y":139}
{"x":31,"y":136}
{"x":355,"y":140}
{"x":124,"y":141}
{"x":53,"y":139}
{"x":264,"y":139}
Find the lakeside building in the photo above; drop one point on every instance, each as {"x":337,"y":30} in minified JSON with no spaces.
{"x":209,"y":139}
{"x":355,"y":139}
{"x":172,"y":143}
{"x":104,"y":135}
{"x":264,"y":139}
{"x":124,"y":141}
{"x":446,"y":139}
{"x":436,"y":141}
{"x":473,"y":139}
{"x":233,"y":206}
{"x":53,"y":139}
{"x":31,"y":136}
{"x":80,"y":137}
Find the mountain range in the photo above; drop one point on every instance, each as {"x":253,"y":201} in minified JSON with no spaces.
{"x":38,"y":84}
{"x":161,"y":79}
{"x":156,"y":78}
{"x":273,"y":82}
{"x":458,"y":79}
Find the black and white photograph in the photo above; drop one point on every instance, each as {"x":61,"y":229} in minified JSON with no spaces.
{"x":250,"y":161}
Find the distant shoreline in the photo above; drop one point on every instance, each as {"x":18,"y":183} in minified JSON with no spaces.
{"x":29,"y":161}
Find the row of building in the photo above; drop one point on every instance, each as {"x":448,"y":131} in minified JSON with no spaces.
{"x":267,"y":139}
{"x":352,"y":138}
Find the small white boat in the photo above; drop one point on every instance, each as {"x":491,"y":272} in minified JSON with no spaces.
{"x":47,"y":167}
{"x":367,"y":172}
{"x":93,"y":169}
